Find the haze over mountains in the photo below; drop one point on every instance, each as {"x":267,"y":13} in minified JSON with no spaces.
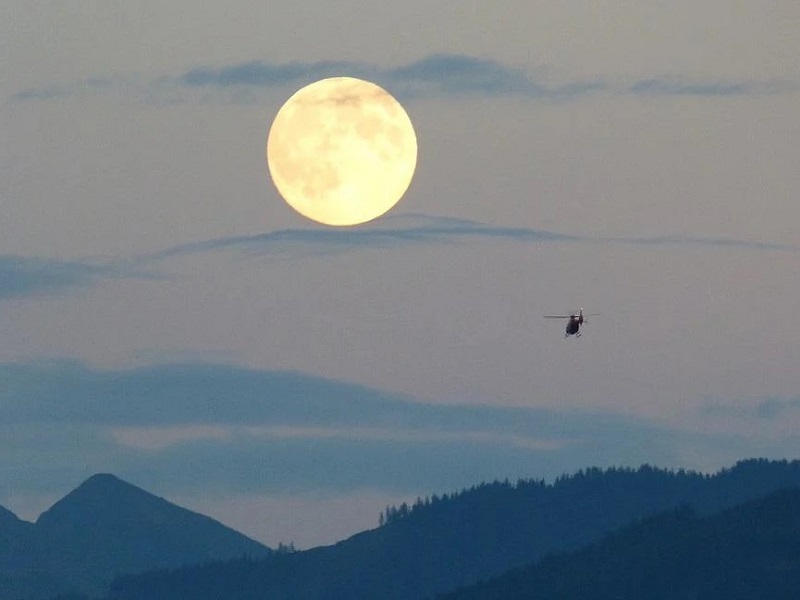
{"x":113,"y":540}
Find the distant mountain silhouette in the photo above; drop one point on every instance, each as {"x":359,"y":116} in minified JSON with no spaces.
{"x":748,"y":552}
{"x":104,"y":528}
{"x":9,"y":521}
{"x":440,"y":543}
{"x":16,"y":537}
{"x":12,"y":530}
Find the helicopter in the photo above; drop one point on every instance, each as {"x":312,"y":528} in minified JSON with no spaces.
{"x":574,"y":323}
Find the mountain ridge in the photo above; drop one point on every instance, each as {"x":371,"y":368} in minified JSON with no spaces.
{"x":103,"y":528}
{"x":751,"y":550}
{"x":441,"y":543}
{"x":434,"y":546}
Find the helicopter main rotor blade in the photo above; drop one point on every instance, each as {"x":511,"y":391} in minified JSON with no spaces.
{"x":558,"y":316}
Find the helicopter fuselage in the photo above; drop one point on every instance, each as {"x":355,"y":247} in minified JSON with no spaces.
{"x":574,"y":322}
{"x":573,"y":325}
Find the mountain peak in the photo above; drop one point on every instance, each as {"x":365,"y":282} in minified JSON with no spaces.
{"x":108,"y":484}
{"x":107,"y":526}
{"x":101,"y":496}
{"x":104,"y":483}
{"x":107,"y":510}
{"x":102,"y":479}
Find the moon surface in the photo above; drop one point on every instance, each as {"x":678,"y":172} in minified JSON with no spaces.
{"x":342,"y":151}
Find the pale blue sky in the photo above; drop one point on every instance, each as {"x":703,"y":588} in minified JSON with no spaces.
{"x":636,"y":159}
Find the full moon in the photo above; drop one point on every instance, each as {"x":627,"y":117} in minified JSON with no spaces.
{"x":342,"y":151}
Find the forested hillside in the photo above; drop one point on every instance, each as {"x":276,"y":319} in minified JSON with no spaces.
{"x":750,"y":551}
{"x":454,"y":540}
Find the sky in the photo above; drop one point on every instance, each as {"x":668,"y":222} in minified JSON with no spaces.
{"x":166,"y":317}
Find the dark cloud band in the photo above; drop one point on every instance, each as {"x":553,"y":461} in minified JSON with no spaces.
{"x":433,"y":75}
{"x":282,"y":431}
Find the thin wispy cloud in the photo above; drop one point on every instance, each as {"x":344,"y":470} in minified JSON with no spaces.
{"x":684,"y":240}
{"x":56,"y":91}
{"x":685,"y":87}
{"x":457,"y":74}
{"x":404,"y":230}
{"x":262,"y":74}
{"x":24,"y":277}
{"x":392,"y":231}
{"x":430,"y":76}
{"x":460,"y":74}
{"x":435,"y":75}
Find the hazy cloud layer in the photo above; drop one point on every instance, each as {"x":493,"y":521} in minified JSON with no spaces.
{"x":437,"y":74}
{"x":768,"y":409}
{"x":25,"y":276}
{"x":20,"y":276}
{"x":225,"y":427}
{"x":774,"y":408}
